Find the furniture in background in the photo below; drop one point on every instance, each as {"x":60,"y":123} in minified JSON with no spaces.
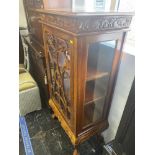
{"x":124,"y":142}
{"x":32,"y":56}
{"x":29,"y":98}
{"x":82,"y":52}
{"x":23,"y":54}
{"x":37,"y":66}
{"x":21,"y":50}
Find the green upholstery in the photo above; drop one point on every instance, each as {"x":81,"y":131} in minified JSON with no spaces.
{"x":25,"y":80}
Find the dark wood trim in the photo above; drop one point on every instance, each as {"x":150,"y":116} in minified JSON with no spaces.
{"x":21,"y":51}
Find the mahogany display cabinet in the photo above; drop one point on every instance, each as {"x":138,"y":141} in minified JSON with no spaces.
{"x":82,"y":52}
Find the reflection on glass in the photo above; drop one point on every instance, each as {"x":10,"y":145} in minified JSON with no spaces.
{"x":99,"y":64}
{"x":66,"y":81}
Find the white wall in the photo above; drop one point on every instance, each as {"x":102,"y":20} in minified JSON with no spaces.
{"x":125,"y":77}
{"x":123,"y":85}
{"x":22,"y":17}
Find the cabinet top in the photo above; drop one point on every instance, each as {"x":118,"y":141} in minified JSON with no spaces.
{"x":79,"y":22}
{"x":77,"y":12}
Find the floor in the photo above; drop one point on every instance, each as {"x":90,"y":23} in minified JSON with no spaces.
{"x":48,"y":137}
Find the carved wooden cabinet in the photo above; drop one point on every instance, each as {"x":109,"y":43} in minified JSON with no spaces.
{"x":82,"y":56}
{"x":82,"y":52}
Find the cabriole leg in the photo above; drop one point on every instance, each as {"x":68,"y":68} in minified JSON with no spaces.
{"x":76,"y":152}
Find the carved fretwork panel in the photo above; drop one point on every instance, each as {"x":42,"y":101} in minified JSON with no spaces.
{"x":59,"y":61}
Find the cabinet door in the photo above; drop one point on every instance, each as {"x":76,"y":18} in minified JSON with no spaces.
{"x":59,"y":53}
{"x":102,"y":58}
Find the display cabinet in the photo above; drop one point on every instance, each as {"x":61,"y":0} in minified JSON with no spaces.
{"x":82,"y":53}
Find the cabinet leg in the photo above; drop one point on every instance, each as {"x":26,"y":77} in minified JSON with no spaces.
{"x":99,"y":138}
{"x":99,"y":144}
{"x":76,"y":152}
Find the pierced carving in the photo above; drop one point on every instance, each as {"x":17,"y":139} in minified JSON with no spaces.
{"x":59,"y":54}
{"x":80,"y":24}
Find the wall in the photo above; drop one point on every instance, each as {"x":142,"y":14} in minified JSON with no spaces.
{"x":125,"y":76}
{"x":59,"y":4}
{"x":123,"y":85}
{"x":22,"y":17}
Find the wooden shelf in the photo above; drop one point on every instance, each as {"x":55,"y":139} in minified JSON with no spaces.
{"x":92,"y":113}
{"x":88,"y":114}
{"x":90,"y":95}
{"x":93,"y":74}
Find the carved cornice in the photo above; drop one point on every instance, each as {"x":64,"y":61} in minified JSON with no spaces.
{"x":84,"y":24}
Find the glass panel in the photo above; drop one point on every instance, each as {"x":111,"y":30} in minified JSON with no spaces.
{"x":59,"y":56}
{"x":99,"y":65}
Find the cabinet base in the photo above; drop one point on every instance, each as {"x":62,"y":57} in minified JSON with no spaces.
{"x":82,"y":136}
{"x":76,"y":152}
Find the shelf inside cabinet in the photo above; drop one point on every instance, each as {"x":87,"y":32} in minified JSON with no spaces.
{"x":91,"y":95}
{"x":88,"y":112}
{"x":93,"y":112}
{"x":93,"y":74}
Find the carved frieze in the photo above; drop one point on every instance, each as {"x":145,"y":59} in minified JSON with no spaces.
{"x":104,"y":23}
{"x":82,"y":24}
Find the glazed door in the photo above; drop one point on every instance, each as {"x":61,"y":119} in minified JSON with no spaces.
{"x":102,"y":59}
{"x":59,"y":58}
